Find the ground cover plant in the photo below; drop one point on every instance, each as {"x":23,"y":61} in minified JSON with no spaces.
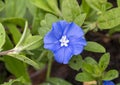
{"x":59,"y":42}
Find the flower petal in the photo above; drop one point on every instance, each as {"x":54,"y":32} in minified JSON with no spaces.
{"x":52,"y":46}
{"x":108,"y":83}
{"x":80,"y":41}
{"x":73,"y":30}
{"x":63,"y":55}
{"x":58,"y":28}
{"x":77,"y":49}
{"x":50,"y":38}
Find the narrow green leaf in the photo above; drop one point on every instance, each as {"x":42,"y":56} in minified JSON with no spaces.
{"x":2,"y":35}
{"x":54,"y":6}
{"x":110,"y":75}
{"x":76,"y":62}
{"x":25,"y":59}
{"x":58,"y":81}
{"x":94,"y":47}
{"x":84,"y":77}
{"x":16,"y":21}
{"x":84,"y":7}
{"x":42,"y":5}
{"x":104,"y":61}
{"x":94,"y":4}
{"x":12,"y":63}
{"x":25,"y":34}
{"x":70,"y":9}
{"x":28,"y":45}
{"x":118,"y":3}
{"x":38,"y":16}
{"x":15,"y":8}
{"x":14,"y":32}
{"x":109,"y":19}
{"x":10,"y":82}
{"x":1,"y":5}
{"x":80,"y":19}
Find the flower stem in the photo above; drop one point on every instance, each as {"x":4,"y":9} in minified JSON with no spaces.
{"x":49,"y":69}
{"x":99,"y":82}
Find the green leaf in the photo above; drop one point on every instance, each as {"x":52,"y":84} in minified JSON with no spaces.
{"x":42,"y":5}
{"x":12,"y":63}
{"x":1,"y":5}
{"x":25,"y":41}
{"x":14,"y":32}
{"x":58,"y":81}
{"x":16,"y":21}
{"x":110,"y":75}
{"x":15,"y":8}
{"x":46,"y":24}
{"x":38,"y":16}
{"x":94,"y":47}
{"x":118,"y":3}
{"x":70,"y":10}
{"x":2,"y":35}
{"x":84,"y":77}
{"x":80,"y":19}
{"x":84,"y":7}
{"x":109,"y":19}
{"x":118,"y":84}
{"x":10,"y":82}
{"x":114,"y":30}
{"x":49,"y":20}
{"x":88,"y":67}
{"x":43,"y":30}
{"x":94,"y":4}
{"x":90,"y":60}
{"x":54,"y":6}
{"x":76,"y":62}
{"x":104,"y":61}
{"x":99,"y":5}
{"x":25,"y":59}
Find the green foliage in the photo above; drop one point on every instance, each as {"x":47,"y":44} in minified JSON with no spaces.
{"x":24,"y":45}
{"x":84,"y":77}
{"x":1,"y":5}
{"x":109,"y":19}
{"x":25,"y":41}
{"x":14,"y":82}
{"x":46,"y":5}
{"x":2,"y":36}
{"x":70,"y":10}
{"x":15,"y":8}
{"x":95,"y":47}
{"x":110,"y":75}
{"x":56,"y":81}
{"x":96,"y":71}
{"x":118,"y":3}
{"x":104,"y":61}
{"x":46,"y":24}
{"x":76,"y":62}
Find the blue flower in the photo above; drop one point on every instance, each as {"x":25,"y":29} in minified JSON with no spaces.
{"x":65,"y":40}
{"x":108,"y":83}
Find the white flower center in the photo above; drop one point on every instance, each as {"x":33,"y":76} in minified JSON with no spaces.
{"x":64,"y":41}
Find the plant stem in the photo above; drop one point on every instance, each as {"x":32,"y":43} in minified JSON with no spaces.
{"x":99,"y":82}
{"x":49,"y":69}
{"x":6,"y":52}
